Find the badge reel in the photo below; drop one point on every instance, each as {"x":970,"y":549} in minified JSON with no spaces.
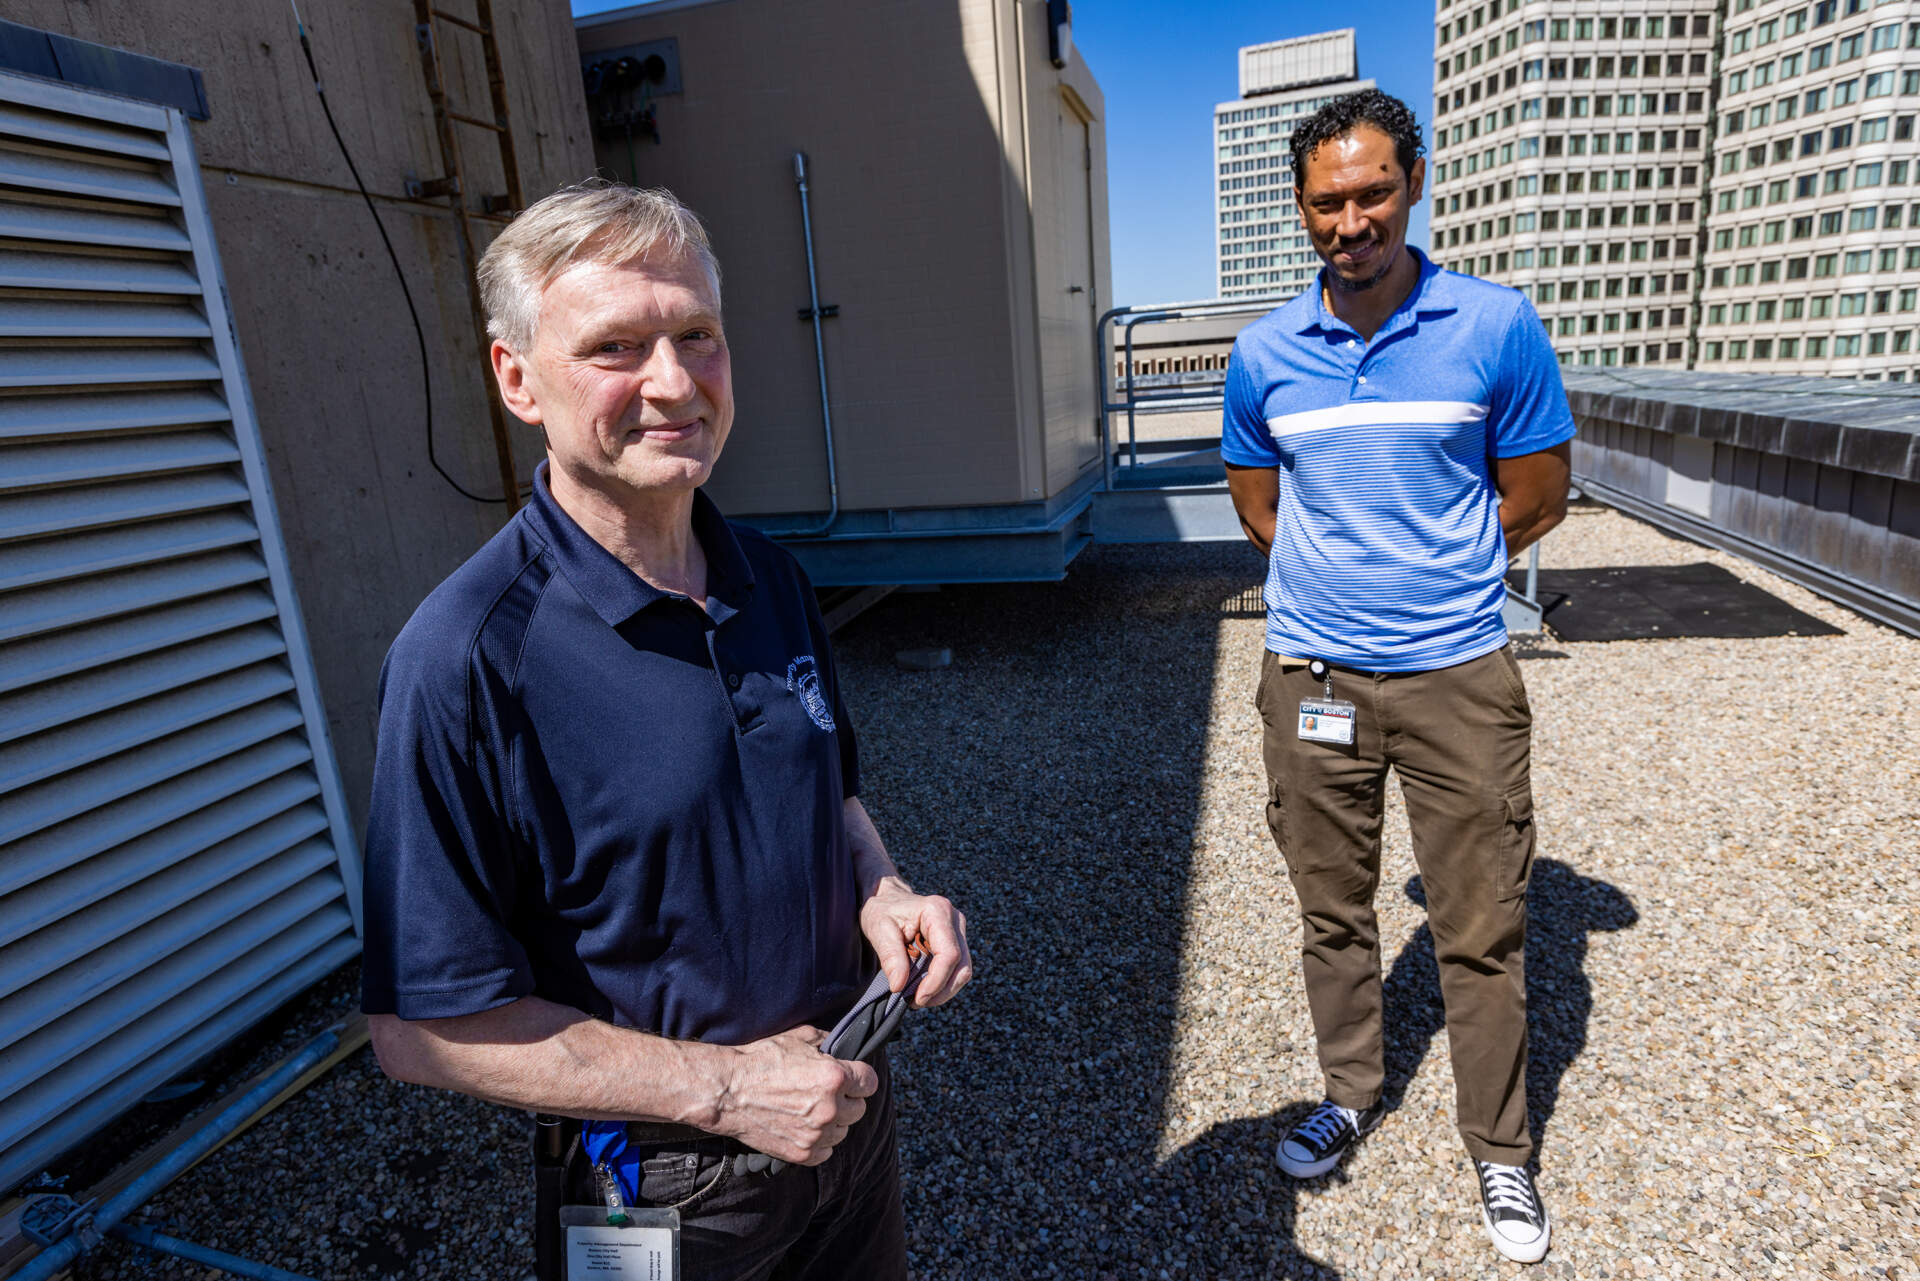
{"x":1328,"y":719}
{"x":619,"y":1242}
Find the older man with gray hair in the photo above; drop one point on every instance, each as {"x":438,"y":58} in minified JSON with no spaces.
{"x":617,"y":864}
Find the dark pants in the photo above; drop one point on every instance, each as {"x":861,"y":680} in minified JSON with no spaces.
{"x":1459,"y":740}
{"x":840,"y":1221}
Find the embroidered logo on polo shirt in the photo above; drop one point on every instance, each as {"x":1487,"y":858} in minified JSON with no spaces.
{"x":803,"y":678}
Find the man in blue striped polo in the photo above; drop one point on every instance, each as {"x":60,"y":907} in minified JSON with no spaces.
{"x":1392,"y":436}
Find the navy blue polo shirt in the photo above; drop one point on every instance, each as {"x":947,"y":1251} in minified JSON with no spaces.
{"x":596,"y":792}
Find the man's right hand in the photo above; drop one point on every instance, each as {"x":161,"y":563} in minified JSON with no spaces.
{"x":784,"y":1097}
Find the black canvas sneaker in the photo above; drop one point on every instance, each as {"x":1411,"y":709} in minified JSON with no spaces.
{"x":1317,"y":1143}
{"x":1515,"y":1216}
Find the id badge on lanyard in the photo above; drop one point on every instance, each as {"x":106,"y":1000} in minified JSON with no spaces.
{"x":645,"y":1246}
{"x":1328,"y":719}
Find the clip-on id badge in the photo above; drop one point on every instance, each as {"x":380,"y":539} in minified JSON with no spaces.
{"x":1329,"y":719}
{"x":644,"y":1245}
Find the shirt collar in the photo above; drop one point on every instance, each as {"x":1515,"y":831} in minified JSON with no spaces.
{"x":614,"y":591}
{"x":1429,"y":297}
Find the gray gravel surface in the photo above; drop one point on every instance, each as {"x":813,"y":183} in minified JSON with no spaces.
{"x":1722,"y":969}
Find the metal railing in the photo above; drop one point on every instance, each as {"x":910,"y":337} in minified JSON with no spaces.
{"x":1523,"y":609}
{"x":1128,"y":319}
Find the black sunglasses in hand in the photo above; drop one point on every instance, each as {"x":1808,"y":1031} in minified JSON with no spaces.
{"x":858,"y":1036}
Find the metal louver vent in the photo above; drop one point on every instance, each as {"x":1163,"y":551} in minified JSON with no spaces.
{"x":175,"y":858}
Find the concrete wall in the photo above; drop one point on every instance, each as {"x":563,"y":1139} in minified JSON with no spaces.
{"x":943,"y":148}
{"x":1824,"y":471}
{"x":330,"y":353}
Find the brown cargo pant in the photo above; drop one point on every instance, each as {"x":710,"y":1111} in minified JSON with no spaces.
{"x":1459,"y":739}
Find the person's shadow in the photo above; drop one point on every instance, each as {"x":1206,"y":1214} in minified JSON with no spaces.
{"x":1250,"y":1204}
{"x":1562,"y":908}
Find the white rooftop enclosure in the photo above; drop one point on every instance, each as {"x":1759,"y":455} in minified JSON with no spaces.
{"x":1321,"y":58}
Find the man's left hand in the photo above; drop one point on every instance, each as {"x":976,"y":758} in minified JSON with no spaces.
{"x":895,"y":915}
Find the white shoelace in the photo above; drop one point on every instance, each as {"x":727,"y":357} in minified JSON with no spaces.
{"x":1507,"y":1189}
{"x":1324,"y":1125}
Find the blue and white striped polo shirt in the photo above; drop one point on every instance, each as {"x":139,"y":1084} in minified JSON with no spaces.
{"x":1387,"y":553}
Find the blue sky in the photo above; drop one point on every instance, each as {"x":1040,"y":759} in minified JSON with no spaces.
{"x":1164,"y":64}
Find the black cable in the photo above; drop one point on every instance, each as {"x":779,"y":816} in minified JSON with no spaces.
{"x":419,"y":334}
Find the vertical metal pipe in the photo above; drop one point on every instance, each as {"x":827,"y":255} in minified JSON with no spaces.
{"x":1133,"y":454}
{"x":1533,"y":573}
{"x":819,"y":357}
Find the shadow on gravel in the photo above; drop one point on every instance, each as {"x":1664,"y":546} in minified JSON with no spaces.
{"x":1563,"y":907}
{"x":1251,"y":1204}
{"x":1049,"y":782}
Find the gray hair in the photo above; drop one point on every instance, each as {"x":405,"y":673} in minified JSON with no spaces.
{"x":591,"y":221}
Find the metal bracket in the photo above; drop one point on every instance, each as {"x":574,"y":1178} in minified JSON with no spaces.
{"x":827,"y":311}
{"x":432,"y":188}
{"x":51,"y":1219}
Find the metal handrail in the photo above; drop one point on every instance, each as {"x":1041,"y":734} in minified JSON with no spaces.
{"x":1148,"y":314}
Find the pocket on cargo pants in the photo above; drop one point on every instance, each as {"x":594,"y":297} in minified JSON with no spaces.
{"x":1516,"y":843}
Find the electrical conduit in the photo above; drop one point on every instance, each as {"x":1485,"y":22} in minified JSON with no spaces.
{"x":56,"y":1257}
{"x":819,"y":357}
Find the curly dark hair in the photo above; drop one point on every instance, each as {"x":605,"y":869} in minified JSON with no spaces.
{"x":1341,"y":116}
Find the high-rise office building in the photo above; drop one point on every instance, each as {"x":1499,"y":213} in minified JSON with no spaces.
{"x":1570,"y":161}
{"x":1260,"y":248}
{"x":1813,"y":238}
{"x":1682,"y":190}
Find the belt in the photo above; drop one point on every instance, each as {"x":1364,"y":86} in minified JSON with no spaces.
{"x":665,"y":1132}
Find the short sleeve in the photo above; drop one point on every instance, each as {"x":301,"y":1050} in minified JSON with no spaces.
{"x":440,"y":880}
{"x":1244,"y":439}
{"x":1528,"y":410}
